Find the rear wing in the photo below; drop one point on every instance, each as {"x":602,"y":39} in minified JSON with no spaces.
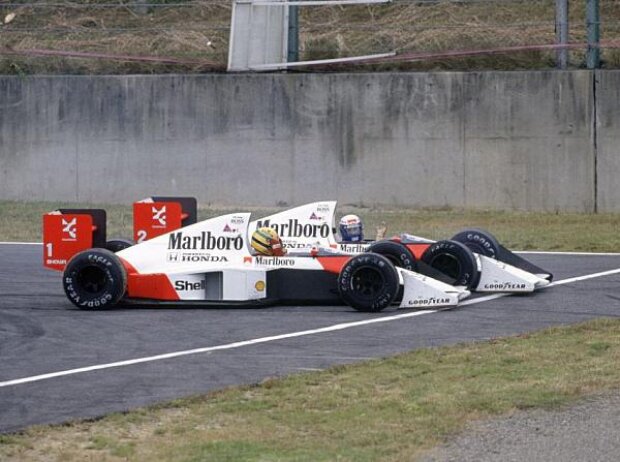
{"x":158,"y":215}
{"x":69,"y":231}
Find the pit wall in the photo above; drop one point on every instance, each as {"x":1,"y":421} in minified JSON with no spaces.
{"x":539,"y":141}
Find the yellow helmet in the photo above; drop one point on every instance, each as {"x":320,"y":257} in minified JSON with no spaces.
{"x":267,"y":242}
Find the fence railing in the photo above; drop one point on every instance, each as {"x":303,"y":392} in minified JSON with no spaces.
{"x":192,"y":36}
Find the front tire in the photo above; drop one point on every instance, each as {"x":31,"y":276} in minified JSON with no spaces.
{"x":479,"y":241}
{"x":94,"y":279}
{"x":455,"y":260}
{"x":368,"y":282}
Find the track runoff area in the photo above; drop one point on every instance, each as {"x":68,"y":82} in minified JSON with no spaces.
{"x":60,"y":363}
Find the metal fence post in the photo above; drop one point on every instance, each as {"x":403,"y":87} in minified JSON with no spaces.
{"x":293,"y":34}
{"x":141,"y":6}
{"x":561,"y":33}
{"x":593,"y":55}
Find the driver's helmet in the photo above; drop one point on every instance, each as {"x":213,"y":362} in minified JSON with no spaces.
{"x":267,"y":242}
{"x":351,"y":228}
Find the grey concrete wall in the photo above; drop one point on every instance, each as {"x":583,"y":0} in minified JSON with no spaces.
{"x":607,"y":139}
{"x":500,"y":140}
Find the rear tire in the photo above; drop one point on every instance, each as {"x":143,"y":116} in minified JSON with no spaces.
{"x":116,"y":245}
{"x":368,"y":282}
{"x":398,"y":254}
{"x":479,"y":241}
{"x":94,"y":279}
{"x":455,"y":260}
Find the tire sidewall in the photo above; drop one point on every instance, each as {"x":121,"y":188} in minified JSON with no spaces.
{"x":116,"y":245}
{"x":386,"y":295}
{"x":114,"y":273}
{"x":479,"y":241}
{"x":396,"y":252}
{"x":469,"y":274}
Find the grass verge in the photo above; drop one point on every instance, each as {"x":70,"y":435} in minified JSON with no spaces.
{"x":392,"y":409}
{"x":21,"y":221}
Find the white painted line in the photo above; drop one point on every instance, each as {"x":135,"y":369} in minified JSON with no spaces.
{"x":21,"y":243}
{"x":473,"y":301}
{"x":486,"y":298}
{"x":585,"y":277}
{"x":230,"y":346}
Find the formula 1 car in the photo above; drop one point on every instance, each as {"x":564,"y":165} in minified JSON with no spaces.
{"x":472,"y":258}
{"x":210,"y":263}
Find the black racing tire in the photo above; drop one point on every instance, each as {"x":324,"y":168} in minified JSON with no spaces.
{"x":455,"y":260}
{"x":368,"y":282}
{"x":396,"y":252}
{"x":479,"y":241}
{"x":116,"y":245}
{"x":94,"y":279}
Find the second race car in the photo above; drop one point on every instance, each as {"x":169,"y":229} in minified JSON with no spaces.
{"x":472,"y":258}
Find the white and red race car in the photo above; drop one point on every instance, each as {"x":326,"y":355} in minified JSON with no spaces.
{"x":177,"y":260}
{"x":211,"y":263}
{"x":472,"y":258}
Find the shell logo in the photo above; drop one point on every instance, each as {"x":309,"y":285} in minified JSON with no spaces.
{"x":260,"y":286}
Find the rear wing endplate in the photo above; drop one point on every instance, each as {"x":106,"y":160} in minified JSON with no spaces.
{"x":69,"y":231}
{"x":159,"y":215}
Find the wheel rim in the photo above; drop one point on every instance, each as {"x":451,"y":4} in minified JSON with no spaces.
{"x":367,"y":282}
{"x":447,"y":264}
{"x":92,"y":279}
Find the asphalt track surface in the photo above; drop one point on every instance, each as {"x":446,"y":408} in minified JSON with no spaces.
{"x":58,"y":363}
